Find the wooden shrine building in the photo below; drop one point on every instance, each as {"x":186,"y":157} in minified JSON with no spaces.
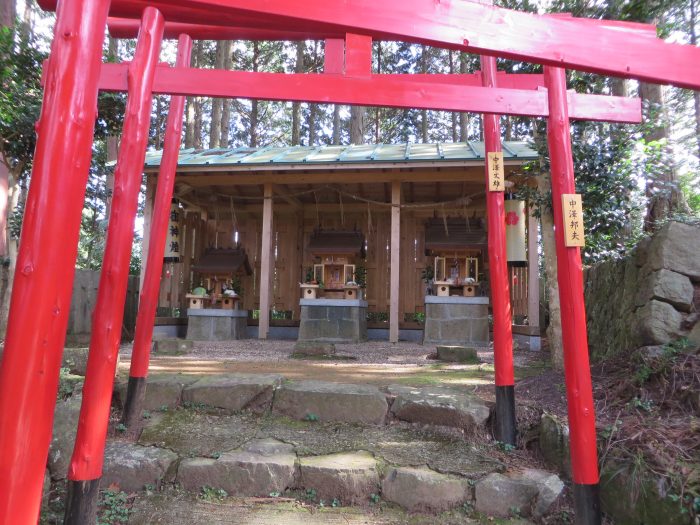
{"x":278,"y":197}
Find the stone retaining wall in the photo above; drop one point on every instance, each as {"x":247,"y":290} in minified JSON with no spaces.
{"x":649,"y":298}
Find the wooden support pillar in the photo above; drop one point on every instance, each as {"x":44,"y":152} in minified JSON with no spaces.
{"x":394,"y":280}
{"x":505,"y":427}
{"x":267,"y":258}
{"x":148,"y":300}
{"x":85,"y":469}
{"x":533,"y":271}
{"x":36,"y":328}
{"x":579,"y":391}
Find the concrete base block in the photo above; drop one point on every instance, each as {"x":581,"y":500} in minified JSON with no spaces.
{"x":216,"y":325}
{"x":328,"y":321}
{"x":456,"y":321}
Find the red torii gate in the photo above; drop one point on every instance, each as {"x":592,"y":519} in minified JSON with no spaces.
{"x":29,"y":371}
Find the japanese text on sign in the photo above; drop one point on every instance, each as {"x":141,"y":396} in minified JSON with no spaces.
{"x":497,"y":179}
{"x":572,"y":214}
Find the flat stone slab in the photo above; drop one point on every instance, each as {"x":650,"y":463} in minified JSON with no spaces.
{"x":131,"y":467}
{"x":458,"y":354}
{"x":262,"y":467}
{"x":233,"y":392}
{"x":323,"y":401}
{"x":172,"y":346}
{"x":314,"y":348}
{"x":438,"y":405}
{"x":162,"y":390}
{"x":530,"y":492}
{"x":424,"y":490}
{"x":350,"y":477}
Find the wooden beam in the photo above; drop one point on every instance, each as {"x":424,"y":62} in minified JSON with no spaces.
{"x":604,"y":47}
{"x":533,"y":271}
{"x":235,"y":178}
{"x":266,"y":265}
{"x":283,"y":192}
{"x":434,"y":91}
{"x":395,"y":262}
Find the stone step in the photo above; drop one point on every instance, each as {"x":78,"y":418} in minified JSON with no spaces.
{"x":349,"y":477}
{"x":233,"y":392}
{"x":316,"y":400}
{"x":133,"y":467}
{"x":173,"y":507}
{"x":162,"y":390}
{"x":259,"y":469}
{"x":346,"y":464}
{"x":322,"y":401}
{"x":438,"y":405}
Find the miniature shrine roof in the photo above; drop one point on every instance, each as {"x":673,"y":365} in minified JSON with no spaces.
{"x":330,"y":155}
{"x":327,"y":242}
{"x":223,"y":261}
{"x":455,"y":234}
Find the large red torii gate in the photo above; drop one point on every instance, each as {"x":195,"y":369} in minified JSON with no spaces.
{"x":29,"y":371}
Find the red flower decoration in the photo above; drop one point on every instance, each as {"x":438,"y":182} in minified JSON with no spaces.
{"x":512,"y":218}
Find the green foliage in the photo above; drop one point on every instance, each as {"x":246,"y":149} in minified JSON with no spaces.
{"x":20,"y":98}
{"x":212,"y":494}
{"x":311,"y":417}
{"x":361,"y":276}
{"x":113,"y":507}
{"x":310,"y":494}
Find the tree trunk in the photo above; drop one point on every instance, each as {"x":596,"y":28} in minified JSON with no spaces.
{"x":463,"y":117}
{"x":254,"y":104}
{"x":423,"y":113}
{"x":8,"y":268}
{"x":336,"y":125}
{"x":554,"y":336}
{"x":7,"y":13}
{"x":378,"y":110}
{"x":226,"y":106}
{"x":217,"y":104}
{"x":296,"y":106}
{"x":189,"y":123}
{"x":664,"y":196}
{"x":357,"y":125}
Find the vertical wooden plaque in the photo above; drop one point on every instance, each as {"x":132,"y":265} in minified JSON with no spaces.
{"x":572,"y":214}
{"x":497,"y":178}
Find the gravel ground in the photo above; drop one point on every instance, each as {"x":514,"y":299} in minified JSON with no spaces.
{"x":254,"y":350}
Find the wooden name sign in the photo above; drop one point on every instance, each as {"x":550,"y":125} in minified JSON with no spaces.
{"x":572,"y":213}
{"x":497,"y":178}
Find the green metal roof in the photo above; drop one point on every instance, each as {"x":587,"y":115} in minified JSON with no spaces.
{"x":337,"y":155}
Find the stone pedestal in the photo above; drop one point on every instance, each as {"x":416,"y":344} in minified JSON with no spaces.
{"x":333,"y":320}
{"x":210,"y":324}
{"x":456,"y":320}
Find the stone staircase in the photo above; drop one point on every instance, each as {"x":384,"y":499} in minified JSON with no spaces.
{"x":332,"y":444}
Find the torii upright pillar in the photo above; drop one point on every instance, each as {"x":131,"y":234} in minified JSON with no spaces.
{"x":505,"y":429}
{"x":148,"y":302}
{"x":579,"y":392}
{"x":85,"y":468}
{"x":43,"y":283}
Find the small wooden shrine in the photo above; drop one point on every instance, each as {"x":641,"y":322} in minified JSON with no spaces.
{"x":335,"y":272}
{"x":217,"y":270}
{"x":457,"y":312}
{"x":457,"y":246}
